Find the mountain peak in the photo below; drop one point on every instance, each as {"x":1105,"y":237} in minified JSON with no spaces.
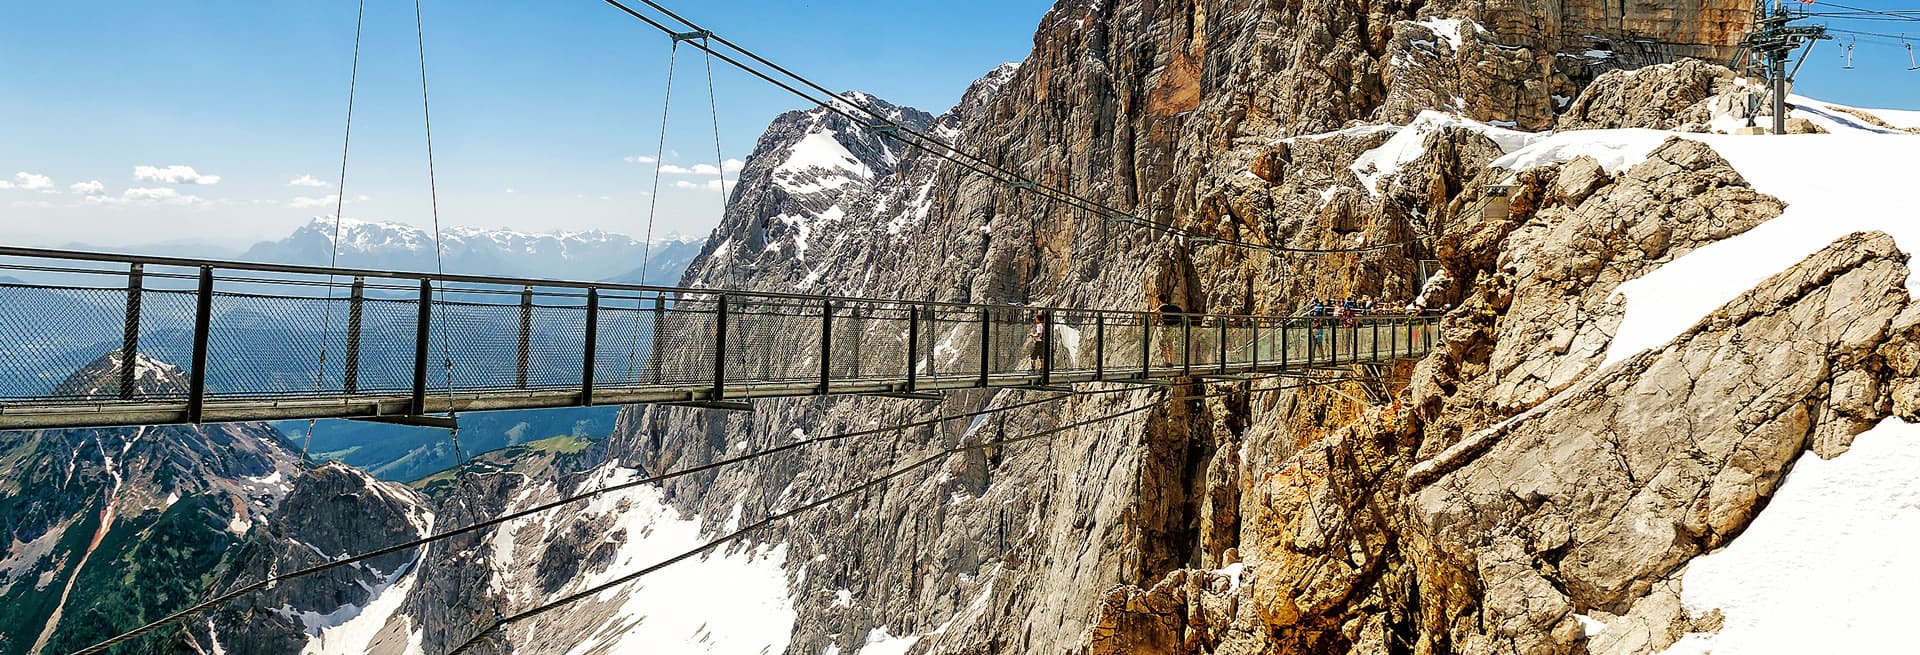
{"x":101,"y":378}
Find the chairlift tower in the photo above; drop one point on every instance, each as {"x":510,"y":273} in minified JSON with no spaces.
{"x":1768,"y":46}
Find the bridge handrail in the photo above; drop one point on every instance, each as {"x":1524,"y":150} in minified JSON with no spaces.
{"x":546,"y":283}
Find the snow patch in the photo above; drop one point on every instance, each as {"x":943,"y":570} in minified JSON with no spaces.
{"x":1864,"y":184}
{"x":726,"y":602}
{"x":351,"y":629}
{"x":1832,"y":551}
{"x":879,"y":642}
{"x":1409,"y":144}
{"x":1616,"y":150}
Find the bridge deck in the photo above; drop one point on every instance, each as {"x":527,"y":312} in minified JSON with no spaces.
{"x":230,"y":341}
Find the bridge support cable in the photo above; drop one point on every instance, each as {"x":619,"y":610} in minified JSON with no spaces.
{"x":333,"y":257}
{"x":896,"y":473}
{"x":659,"y":154}
{"x":277,"y":579}
{"x":887,"y":127}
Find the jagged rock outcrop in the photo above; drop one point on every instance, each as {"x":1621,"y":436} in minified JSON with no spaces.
{"x":1589,"y":501}
{"x":111,"y":528}
{"x":1239,"y":518}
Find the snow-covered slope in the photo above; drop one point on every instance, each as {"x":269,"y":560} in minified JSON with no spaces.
{"x":1834,"y":550}
{"x":1834,"y":184}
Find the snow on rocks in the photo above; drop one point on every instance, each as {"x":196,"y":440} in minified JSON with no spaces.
{"x":1409,"y":143}
{"x":1833,"y":184}
{"x":1832,"y":550}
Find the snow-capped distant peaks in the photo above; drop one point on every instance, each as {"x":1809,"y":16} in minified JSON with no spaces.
{"x":592,"y":254}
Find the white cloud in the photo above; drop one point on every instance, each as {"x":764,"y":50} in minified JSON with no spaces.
{"x":32,"y":204}
{"x":509,"y":190}
{"x":308,"y":181}
{"x":157,"y":195}
{"x":671,"y":169}
{"x":309,"y":202}
{"x":641,"y":159}
{"x":709,"y":185}
{"x":175,"y":174}
{"x":25,"y":181}
{"x":88,"y":188}
{"x":733,"y":165}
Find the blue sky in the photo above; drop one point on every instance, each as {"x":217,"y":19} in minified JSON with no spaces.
{"x":536,"y":106}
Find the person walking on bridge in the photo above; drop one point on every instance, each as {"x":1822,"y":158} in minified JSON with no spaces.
{"x":1037,"y":342}
{"x":1172,"y":318}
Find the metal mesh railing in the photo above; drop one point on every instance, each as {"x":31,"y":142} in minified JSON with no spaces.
{"x":265,"y":329}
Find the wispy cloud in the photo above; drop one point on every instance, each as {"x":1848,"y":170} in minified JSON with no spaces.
{"x":729,"y":166}
{"x":25,"y":181}
{"x":709,"y":185}
{"x":148,"y":195}
{"x":309,"y":202}
{"x":88,"y":188}
{"x":641,"y":159}
{"x":308,"y":181}
{"x":175,"y":174}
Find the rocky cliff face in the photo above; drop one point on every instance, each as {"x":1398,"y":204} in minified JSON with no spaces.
{"x":1376,"y":516}
{"x":108,"y":529}
{"x":1506,"y":495}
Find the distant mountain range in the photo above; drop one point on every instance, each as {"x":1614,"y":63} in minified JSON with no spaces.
{"x":590,"y":255}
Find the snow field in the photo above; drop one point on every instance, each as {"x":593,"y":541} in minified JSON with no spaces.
{"x":1828,"y":566}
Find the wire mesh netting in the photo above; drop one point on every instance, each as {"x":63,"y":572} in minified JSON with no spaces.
{"x":300,"y":337}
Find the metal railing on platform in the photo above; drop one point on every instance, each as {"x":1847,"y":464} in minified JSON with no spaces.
{"x":221,"y":341}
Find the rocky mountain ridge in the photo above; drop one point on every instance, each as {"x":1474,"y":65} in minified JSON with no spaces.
{"x":1524,"y":490}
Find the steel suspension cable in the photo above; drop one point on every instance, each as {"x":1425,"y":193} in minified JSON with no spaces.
{"x":339,"y":210}
{"x":886,"y":127}
{"x":659,"y":157}
{"x":653,"y":207}
{"x":671,"y":475}
{"x":775,"y":518}
{"x":423,"y":541}
{"x":439,"y":295}
{"x":713,"y":103}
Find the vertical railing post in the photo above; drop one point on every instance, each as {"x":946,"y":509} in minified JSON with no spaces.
{"x":423,"y":326}
{"x":1333,"y":341}
{"x":589,"y":353}
{"x":1284,"y":354}
{"x":1100,"y":347}
{"x":202,"y":326}
{"x":1046,"y":349}
{"x":720,"y":351}
{"x":654,"y":363}
{"x":526,"y":337}
{"x":130,"y":338}
{"x":913,"y":345}
{"x":1375,"y":324}
{"x":1186,"y":347}
{"x":1353,"y":343}
{"x":826,"y":347}
{"x":1222,"y":364}
{"x":350,"y":366}
{"x":986,"y":346}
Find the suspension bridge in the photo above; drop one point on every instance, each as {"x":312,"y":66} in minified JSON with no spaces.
{"x":96,"y":345}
